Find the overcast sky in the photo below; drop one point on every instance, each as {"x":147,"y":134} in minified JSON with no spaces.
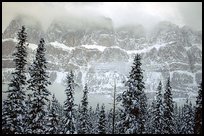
{"x":121,"y":13}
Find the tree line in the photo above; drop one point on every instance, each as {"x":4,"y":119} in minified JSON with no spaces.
{"x":34,"y":113}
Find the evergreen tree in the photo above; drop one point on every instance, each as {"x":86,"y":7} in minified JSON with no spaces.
{"x":53,"y":118}
{"x":78,"y":117}
{"x":91,"y":120}
{"x":176,"y":117}
{"x":84,"y":125}
{"x":27,"y":117}
{"x":69,"y":119}
{"x":178,"y":120}
{"x":157,"y":119}
{"x":117,"y":121}
{"x":169,"y":125}
{"x":15,"y":109}
{"x":96,"y":119}
{"x":102,"y":121}
{"x":60,"y":111}
{"x":120,"y":129}
{"x":188,"y":119}
{"x":38,"y":85}
{"x":150,"y":129}
{"x":134,"y":101}
{"x":109,"y":119}
{"x":198,"y":112}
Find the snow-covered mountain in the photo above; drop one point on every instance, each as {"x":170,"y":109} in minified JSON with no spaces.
{"x":99,"y":54}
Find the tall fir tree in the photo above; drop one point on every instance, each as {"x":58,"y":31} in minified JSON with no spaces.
{"x":15,"y":109}
{"x":151,"y":109}
{"x":38,"y":83}
{"x":78,"y":116}
{"x":187,"y":119}
{"x":169,"y":125}
{"x":84,"y":123}
{"x":158,"y":119}
{"x":134,"y":101}
{"x":198,"y":112}
{"x":69,"y":110}
{"x":91,"y":120}
{"x":53,"y":118}
{"x":96,"y":119}
{"x":176,"y":117}
{"x":178,"y":120}
{"x":102,"y":121}
{"x":109,"y":116}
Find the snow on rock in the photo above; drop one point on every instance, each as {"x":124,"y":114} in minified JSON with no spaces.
{"x":98,"y":47}
{"x":32,"y":46}
{"x":10,"y":39}
{"x":60,"y":45}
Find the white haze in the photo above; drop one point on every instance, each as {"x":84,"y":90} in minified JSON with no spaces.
{"x":121,"y":13}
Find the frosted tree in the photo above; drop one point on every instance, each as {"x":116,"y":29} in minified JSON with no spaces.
{"x":15,"y":109}
{"x":169,"y":125}
{"x":84,"y":123}
{"x":91,"y":120}
{"x":102,"y":121}
{"x":69,"y":117}
{"x":134,"y":101}
{"x":119,"y":127}
{"x":158,"y":119}
{"x":178,"y":120}
{"x":96,"y":118}
{"x":109,"y":116}
{"x":198,"y":112}
{"x":78,"y":116}
{"x":60,"y":112}
{"x":53,"y":118}
{"x":151,"y":108}
{"x":38,"y":83}
{"x":27,"y":117}
{"x":187,"y":119}
{"x":177,"y":117}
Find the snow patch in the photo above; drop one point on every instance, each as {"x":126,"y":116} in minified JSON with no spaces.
{"x":32,"y":46}
{"x":156,"y":46}
{"x":98,"y":47}
{"x":10,"y":39}
{"x":61,"y":46}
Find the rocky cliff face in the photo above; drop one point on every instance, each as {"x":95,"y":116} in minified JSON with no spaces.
{"x":100,"y":54}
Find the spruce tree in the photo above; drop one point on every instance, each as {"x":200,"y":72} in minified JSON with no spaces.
{"x":38,"y":83}
{"x":157,"y":119}
{"x":152,"y":108}
{"x":15,"y":109}
{"x":169,"y":125}
{"x":102,"y":121}
{"x":96,"y":119}
{"x":178,"y":120}
{"x":78,"y":117}
{"x":91,"y":120}
{"x":69,"y":111}
{"x":84,"y":124}
{"x":53,"y":118}
{"x":109,"y":116}
{"x":134,"y":101}
{"x":188,"y":119}
{"x":198,"y":112}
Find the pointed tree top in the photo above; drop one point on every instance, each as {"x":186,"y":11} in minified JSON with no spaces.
{"x":42,"y":40}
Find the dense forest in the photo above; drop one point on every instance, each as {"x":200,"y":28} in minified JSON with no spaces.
{"x":33,"y":113}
